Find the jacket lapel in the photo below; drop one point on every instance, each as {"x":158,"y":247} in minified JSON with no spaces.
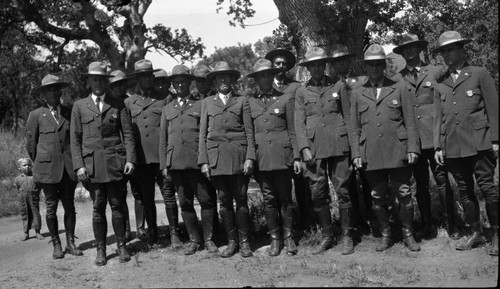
{"x":47,"y":114}
{"x":385,"y":91}
{"x":464,"y":75}
{"x":91,"y":105}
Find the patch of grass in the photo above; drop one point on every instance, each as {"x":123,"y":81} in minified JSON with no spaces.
{"x":8,"y":198}
{"x":464,"y":273}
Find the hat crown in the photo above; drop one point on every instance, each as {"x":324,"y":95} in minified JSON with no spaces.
{"x":449,"y":36}
{"x":221,"y":66}
{"x":408,"y":38}
{"x":98,"y":68}
{"x":340,"y":51}
{"x":143,"y":65}
{"x":262,"y":64}
{"x":50,"y":79}
{"x":314,"y":53}
{"x":117,"y":75}
{"x":201,"y":71}
{"x":375,"y":52}
{"x":180,"y":69}
{"x":160,"y":73}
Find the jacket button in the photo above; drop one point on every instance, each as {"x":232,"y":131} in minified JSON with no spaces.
{"x":265,"y":120}
{"x":379,"y":135}
{"x":416,"y":105}
{"x":267,"y":131}
{"x":182,"y":131}
{"x":378,"y":113}
{"x":378,"y":124}
{"x":453,"y":92}
{"x":455,"y":103}
{"x":456,"y":112}
{"x":225,"y":121}
{"x":323,"y":125}
{"x":457,"y":122}
{"x":419,"y":117}
{"x":322,"y":115}
{"x":268,"y":141}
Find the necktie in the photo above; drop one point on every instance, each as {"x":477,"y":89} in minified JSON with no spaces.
{"x":55,"y":114}
{"x":375,"y":88}
{"x":280,"y":83}
{"x":181,"y":102}
{"x":224,"y":99}
{"x":415,"y":75}
{"x":98,"y":103}
{"x":454,"y":75}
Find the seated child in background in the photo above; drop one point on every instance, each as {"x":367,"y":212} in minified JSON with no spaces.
{"x":29,"y":199}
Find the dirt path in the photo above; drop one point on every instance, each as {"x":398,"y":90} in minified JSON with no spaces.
{"x":29,"y":264}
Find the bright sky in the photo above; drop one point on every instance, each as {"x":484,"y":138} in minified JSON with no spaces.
{"x":200,"y":20}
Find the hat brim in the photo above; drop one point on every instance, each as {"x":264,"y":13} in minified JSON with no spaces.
{"x":462,"y":41}
{"x":97,"y":74}
{"x":40,"y":88}
{"x":290,"y":57}
{"x":232,"y":72}
{"x":120,"y":80}
{"x":273,"y":70}
{"x":399,"y":49}
{"x":143,"y":71}
{"x":190,"y":76}
{"x":324,"y":59}
{"x":342,"y":56}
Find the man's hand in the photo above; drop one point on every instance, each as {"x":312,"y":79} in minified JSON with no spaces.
{"x":438,"y":156}
{"x":248,"y":167}
{"x":164,"y":172}
{"x":205,"y":170}
{"x":307,"y":157}
{"x":495,"y":151}
{"x":83,"y":175}
{"x":129,"y":169}
{"x":357,"y":163}
{"x":412,"y":158}
{"x":296,"y":167}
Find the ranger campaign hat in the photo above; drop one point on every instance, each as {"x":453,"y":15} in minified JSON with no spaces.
{"x":314,"y":54}
{"x":374,"y":52}
{"x":201,"y":71}
{"x":160,"y":73}
{"x":143,"y":66}
{"x":222,"y":67}
{"x":263,"y":65}
{"x":449,"y":38}
{"x":117,"y":76}
{"x":409,"y":39}
{"x":290,"y":57}
{"x":97,"y":68}
{"x":341,"y":51}
{"x":180,"y":70}
{"x":50,"y":80}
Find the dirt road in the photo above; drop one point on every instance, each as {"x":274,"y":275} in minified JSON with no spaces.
{"x":29,"y":264}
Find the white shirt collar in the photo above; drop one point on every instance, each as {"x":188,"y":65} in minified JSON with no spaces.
{"x":94,"y":97}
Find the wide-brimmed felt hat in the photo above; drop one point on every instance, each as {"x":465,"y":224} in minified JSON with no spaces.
{"x":263,"y":65}
{"x":201,"y":71}
{"x":50,"y":80}
{"x":314,"y":54}
{"x":409,"y":39}
{"x":449,"y":38}
{"x":117,"y":76}
{"x":180,"y":70}
{"x":374,"y":52}
{"x":341,"y":51}
{"x":161,"y":73}
{"x":290,"y":57}
{"x":97,"y":68}
{"x":222,"y":67}
{"x":143,"y":66}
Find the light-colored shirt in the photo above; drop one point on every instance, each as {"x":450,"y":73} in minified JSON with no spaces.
{"x":101,"y":102}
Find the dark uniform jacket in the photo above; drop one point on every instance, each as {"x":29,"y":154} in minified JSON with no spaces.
{"x":48,"y":145}
{"x":102,"y":142}
{"x":322,"y":119}
{"x":466,"y":113}
{"x":383,"y":130}
{"x":423,"y":98}
{"x":289,"y":86}
{"x":226,"y":135}
{"x":145,"y":114}
{"x":179,"y":135}
{"x":274,"y":131}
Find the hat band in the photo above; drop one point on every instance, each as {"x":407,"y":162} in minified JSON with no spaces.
{"x":340,"y":54}
{"x":452,"y":41}
{"x":316,"y":58}
{"x":375,"y":57}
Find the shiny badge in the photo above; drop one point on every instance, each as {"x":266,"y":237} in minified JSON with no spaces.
{"x":395,"y":101}
{"x":469,"y":93}
{"x":114,"y":116}
{"x":428,"y":83}
{"x":276,"y":110}
{"x":335,"y":95}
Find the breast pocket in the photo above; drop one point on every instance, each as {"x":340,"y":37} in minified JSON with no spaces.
{"x":89,"y":125}
{"x":474,"y":97}
{"x":310,"y":105}
{"x":363,"y":114}
{"x":156,"y":116}
{"x":47,"y":134}
{"x":394,"y":110}
{"x":332,"y":105}
{"x":135,"y":114}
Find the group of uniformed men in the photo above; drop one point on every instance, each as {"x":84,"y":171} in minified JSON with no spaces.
{"x":330,"y":128}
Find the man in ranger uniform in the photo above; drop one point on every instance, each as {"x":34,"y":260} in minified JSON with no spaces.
{"x":227,"y":152}
{"x":321,"y":119}
{"x":277,"y":154}
{"x":466,"y":134}
{"x":421,"y":78}
{"x":179,"y":135}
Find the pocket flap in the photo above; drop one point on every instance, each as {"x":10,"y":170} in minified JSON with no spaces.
{"x":212,"y":145}
{"x":135,"y":112}
{"x":394,"y":103}
{"x":480,"y":124}
{"x":87,"y":152}
{"x":287,"y":144}
{"x":363,"y":107}
{"x":402,"y":134}
{"x":44,"y":158}
{"x":46,"y":129}
{"x":342,"y":131}
{"x":87,"y":118}
{"x":156,"y":110}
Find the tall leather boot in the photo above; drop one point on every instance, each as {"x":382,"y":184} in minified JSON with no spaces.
{"x":119,"y":228}
{"x":471,"y":211}
{"x":100,"y":232}
{"x":424,"y":205}
{"x":242,"y":219}
{"x":274,"y":231}
{"x":139,"y":220}
{"x":287,"y":219}
{"x":345,"y":225}
{"x":173,"y":225}
{"x":207,"y":221}
{"x":191,"y":222}
{"x":406,"y":217}
{"x":381,"y":215}
{"x":229,"y":221}
{"x":447,"y":202}
{"x":69,"y":224}
{"x":56,"y":242}
{"x":150,"y":212}
{"x":128,"y":235}
{"x":325,"y":221}
{"x":492,"y":212}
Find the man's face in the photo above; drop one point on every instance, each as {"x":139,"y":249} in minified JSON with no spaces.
{"x":375,"y":69}
{"x":97,"y":84}
{"x":202,"y":85}
{"x":223,"y":83}
{"x":453,"y":55}
{"x":181,"y":85}
{"x":52,"y":94}
{"x":118,"y":89}
{"x":411,"y":52}
{"x":161,"y":85}
{"x":264,"y":80}
{"x":316,"y":69}
{"x":280,"y":63}
{"x":341,"y":65}
{"x":145,"y":81}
